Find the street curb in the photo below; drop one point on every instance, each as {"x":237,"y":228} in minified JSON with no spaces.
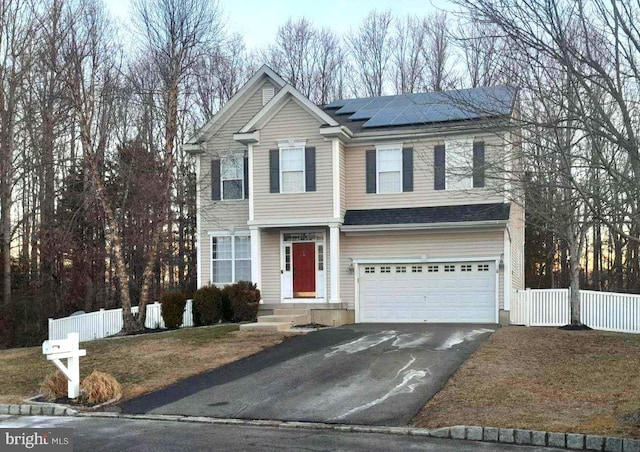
{"x":37,"y":410}
{"x":571,"y":441}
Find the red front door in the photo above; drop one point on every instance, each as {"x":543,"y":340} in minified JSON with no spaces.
{"x":304,"y":270}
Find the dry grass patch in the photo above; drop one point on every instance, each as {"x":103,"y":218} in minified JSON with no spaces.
{"x":545,"y":379}
{"x":140,"y":363}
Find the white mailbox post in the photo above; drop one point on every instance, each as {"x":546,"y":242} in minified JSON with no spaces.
{"x":68,"y":348}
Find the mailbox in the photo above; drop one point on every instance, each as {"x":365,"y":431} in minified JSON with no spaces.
{"x":66,"y":348}
{"x":59,"y":346}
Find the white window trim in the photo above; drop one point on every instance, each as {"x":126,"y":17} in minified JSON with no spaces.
{"x":388,"y":147}
{"x":222,"y":179}
{"x":233,"y":235}
{"x":318,"y":241}
{"x":293,"y":144}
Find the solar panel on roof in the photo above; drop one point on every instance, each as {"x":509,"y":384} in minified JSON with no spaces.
{"x":353,"y":105}
{"x":364,"y":113}
{"x":421,"y":108}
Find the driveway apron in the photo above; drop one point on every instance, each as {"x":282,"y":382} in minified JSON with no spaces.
{"x":370,"y":374}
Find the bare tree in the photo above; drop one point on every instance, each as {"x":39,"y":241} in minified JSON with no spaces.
{"x":580,"y":59}
{"x":218,"y":76}
{"x":16,"y":30}
{"x":370,"y":46}
{"x":177,"y":34}
{"x":438,"y":54}
{"x":484,"y":53}
{"x":409,"y":54}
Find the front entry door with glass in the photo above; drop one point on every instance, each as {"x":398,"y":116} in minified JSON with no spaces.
{"x":303,"y":275}
{"x":304,"y":270}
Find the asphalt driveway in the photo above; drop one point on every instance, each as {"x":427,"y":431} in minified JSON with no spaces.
{"x":372,"y":374}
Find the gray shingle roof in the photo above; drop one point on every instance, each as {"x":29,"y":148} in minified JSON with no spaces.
{"x":425,"y":108}
{"x":426,"y":215}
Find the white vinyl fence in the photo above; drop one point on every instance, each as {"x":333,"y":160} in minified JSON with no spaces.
{"x":103,"y":323}
{"x":599,"y":310}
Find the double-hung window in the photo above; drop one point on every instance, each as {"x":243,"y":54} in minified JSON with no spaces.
{"x":459,"y":165}
{"x":389,"y":169}
{"x":292,"y":169}
{"x":230,"y":258}
{"x":232,"y":177}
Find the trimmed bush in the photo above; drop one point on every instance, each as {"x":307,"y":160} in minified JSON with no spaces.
{"x":173,"y":304}
{"x":207,"y":305}
{"x":227,"y":310}
{"x":245,"y":298}
{"x":54,"y":386}
{"x":99,"y":387}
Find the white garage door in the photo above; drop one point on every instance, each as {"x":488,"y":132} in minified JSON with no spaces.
{"x":438,"y":292}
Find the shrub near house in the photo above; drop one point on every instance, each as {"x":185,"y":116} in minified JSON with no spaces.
{"x":207,"y":305}
{"x":236,"y":302}
{"x":245,"y":298}
{"x":173,"y":304}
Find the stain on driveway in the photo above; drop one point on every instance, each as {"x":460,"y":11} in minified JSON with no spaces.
{"x":372,"y":374}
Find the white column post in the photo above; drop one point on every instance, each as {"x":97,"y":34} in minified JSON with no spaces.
{"x":102,"y":328}
{"x":256,"y":258}
{"x":73,"y":365}
{"x":334,"y":245}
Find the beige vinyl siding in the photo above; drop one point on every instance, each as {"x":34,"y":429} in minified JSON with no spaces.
{"x":343,"y":180}
{"x":433,"y":245}
{"x":292,"y":122}
{"x":423,"y":193}
{"x":229,"y":215}
{"x":270,"y":265}
{"x":517,"y":248}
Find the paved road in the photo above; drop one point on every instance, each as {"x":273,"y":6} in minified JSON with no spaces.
{"x":357,"y":374}
{"x":123,"y":435}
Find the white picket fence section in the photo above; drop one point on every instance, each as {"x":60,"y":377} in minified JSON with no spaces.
{"x":103,"y":323}
{"x":607,"y":311}
{"x":610,"y":311}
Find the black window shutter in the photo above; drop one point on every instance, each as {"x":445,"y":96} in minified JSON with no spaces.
{"x":371,"y":170}
{"x":478,"y":164}
{"x":407,"y":169}
{"x":246,"y":177}
{"x":438,"y":167}
{"x":274,"y":170}
{"x":310,"y":168}
{"x":215,"y":179}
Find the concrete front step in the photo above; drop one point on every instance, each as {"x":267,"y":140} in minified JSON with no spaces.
{"x":291,"y":311}
{"x":292,"y":319}
{"x":265,"y":326}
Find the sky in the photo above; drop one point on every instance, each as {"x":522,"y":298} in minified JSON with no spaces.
{"x":258,"y":20}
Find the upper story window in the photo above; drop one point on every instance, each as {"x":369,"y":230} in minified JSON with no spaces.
{"x":229,"y":178}
{"x":389,"y":169}
{"x":232,"y":178}
{"x":459,"y":165}
{"x":292,"y":167}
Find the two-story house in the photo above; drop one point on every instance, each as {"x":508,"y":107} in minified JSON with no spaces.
{"x":385,"y":209}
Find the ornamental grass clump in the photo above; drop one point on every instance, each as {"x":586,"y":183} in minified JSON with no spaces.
{"x":54,"y":386}
{"x":99,"y":387}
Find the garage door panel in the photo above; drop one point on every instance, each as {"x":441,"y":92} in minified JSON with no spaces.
{"x":465,"y":292}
